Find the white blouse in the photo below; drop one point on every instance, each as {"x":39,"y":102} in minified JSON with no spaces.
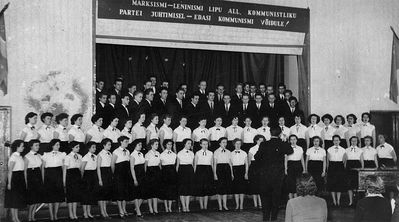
{"x":369,"y":153}
{"x":352,"y":130}
{"x":46,"y":133}
{"x":138,"y":157}
{"x":265,"y":131}
{"x":122,"y":155}
{"x":253,"y":151}
{"x":204,"y":157}
{"x":234,"y":132}
{"x":285,"y":133}
{"x":248,"y":134}
{"x":77,"y":133}
{"x":297,"y":154}
{"x":34,"y":159}
{"x":139,"y":131}
{"x":182,"y":133}
{"x":328,"y":132}
{"x":106,"y":158}
{"x":316,"y":154}
{"x":31,"y":132}
{"x":298,"y":130}
{"x":18,"y":160}
{"x":366,"y":129}
{"x":125,"y":132}
{"x":168,"y":157}
{"x":341,"y":131}
{"x":201,"y":133}
{"x":153,"y":158}
{"x":353,"y":153}
{"x":91,"y":160}
{"x":53,"y":158}
{"x":112,"y":134}
{"x":96,"y":133}
{"x":314,"y":130}
{"x":384,"y":151}
{"x":73,"y":160}
{"x":62,"y":133}
{"x":217,"y":132}
{"x":222,"y":155}
{"x":238,"y":157}
{"x":153,"y":131}
{"x":185,"y":157}
{"x":336,"y":153}
{"x":168,"y":132}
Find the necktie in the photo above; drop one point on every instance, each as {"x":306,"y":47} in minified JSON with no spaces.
{"x":92,"y":157}
{"x":204,"y":153}
{"x":264,"y":129}
{"x":282,"y":129}
{"x":220,"y":97}
{"x":316,"y":150}
{"x":113,"y":129}
{"x":156,"y":130}
{"x":272,"y":106}
{"x":258,"y":105}
{"x":245,"y":108}
{"x":54,"y":153}
{"x":163,"y":101}
{"x":248,"y":129}
{"x":235,"y":129}
{"x":202,"y":131}
{"x":139,"y":153}
{"x":212,"y":106}
{"x":297,"y":128}
{"x":223,"y":150}
{"x":186,"y":151}
{"x":180,"y":104}
{"x":78,"y":127}
{"x":382,"y":146}
{"x":326,"y":128}
{"x":292,"y":110}
{"x":227,"y":109}
{"x":99,"y":129}
{"x":218,"y":129}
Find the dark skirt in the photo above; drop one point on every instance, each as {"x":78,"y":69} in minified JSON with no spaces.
{"x":353,"y":178}
{"x":64,"y":147}
{"x":294,"y":170}
{"x":152,"y":182}
{"x":179,"y":146}
{"x":253,"y":178}
{"x":185,"y":180}
{"x":137,"y":191}
{"x":122,"y":181}
{"x":105,"y":191}
{"x":53,"y":185}
{"x":336,"y":177}
{"x":247,"y":146}
{"x":369,"y":164}
{"x":302,"y":143}
{"x":240,"y":184}
{"x":328,"y":144}
{"x":90,"y":187}
{"x":35,"y":186}
{"x":223,"y":183}
{"x":16,"y":197}
{"x":44,"y":148}
{"x":387,"y":162}
{"x":203,"y":181}
{"x":343,"y":143}
{"x":74,"y":187}
{"x":315,"y":168}
{"x":214,"y":146}
{"x":169,"y":183}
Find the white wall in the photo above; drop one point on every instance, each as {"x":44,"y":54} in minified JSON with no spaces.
{"x":351,"y":44}
{"x":48,"y":37}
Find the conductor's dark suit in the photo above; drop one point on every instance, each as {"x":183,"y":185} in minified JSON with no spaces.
{"x":269,"y":162}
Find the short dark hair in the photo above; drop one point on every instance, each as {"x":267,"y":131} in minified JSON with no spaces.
{"x":32,"y":142}
{"x":317,"y":138}
{"x":209,"y":92}
{"x":221,"y":139}
{"x":237,"y":140}
{"x":147,"y":92}
{"x":327,"y":116}
{"x":258,"y":137}
{"x":335,"y":136}
{"x":16,"y":144}
{"x":118,"y":80}
{"x":28,"y":116}
{"x":44,"y":115}
{"x":163,"y":89}
{"x":75,"y":117}
{"x":292,"y":98}
{"x":137,"y":92}
{"x":342,"y":119}
{"x":353,"y":116}
{"x":317,"y":118}
{"x":374,"y":184}
{"x":186,"y":140}
{"x":305,"y":185}
{"x":366,"y":114}
{"x":90,"y":144}
{"x":53,"y":142}
{"x":73,"y":144}
{"x":288,"y":91}
{"x":281,"y":85}
{"x":122,"y":138}
{"x":60,"y":117}
{"x":354,"y":137}
{"x":105,"y":141}
{"x":293,"y":135}
{"x":95,"y":118}
{"x":165,"y":142}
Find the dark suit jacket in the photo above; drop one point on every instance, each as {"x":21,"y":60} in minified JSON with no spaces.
{"x":235,"y":99}
{"x":258,"y":115}
{"x":227,"y":115}
{"x":147,"y":108}
{"x":135,"y":109}
{"x":217,"y":100}
{"x":160,"y":108}
{"x":192,"y":114}
{"x":242,"y":114}
{"x":100,"y":109}
{"x":290,"y":117}
{"x":273,"y":113}
{"x":123,"y":115}
{"x":109,"y":112}
{"x":373,"y":209}
{"x":205,"y":110}
{"x":176,"y":111}
{"x":202,"y":97}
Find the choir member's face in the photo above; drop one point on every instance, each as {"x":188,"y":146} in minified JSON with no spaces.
{"x":293,"y":140}
{"x":281,"y":121}
{"x":35,"y":147}
{"x":202,"y":85}
{"x":118,"y":85}
{"x":292,"y":103}
{"x":142,"y":118}
{"x":64,"y":122}
{"x":287,"y":95}
{"x":56,"y":146}
{"x":218,"y":121}
{"x":350,"y":120}
{"x":138,"y":97}
{"x":128,"y":124}
{"x":239,"y":88}
{"x":202,"y":122}
{"x":79,"y":121}
{"x":211,"y":96}
{"x":354,"y":142}
{"x":338,"y":121}
{"x":223,"y":143}
{"x":99,"y":122}
{"x":246,"y":88}
{"x":164,"y":94}
{"x":92,"y":149}
{"x":169,"y":145}
{"x":313,"y":120}
{"x":125,"y":100}
{"x":365,"y":118}
{"x":248,"y":122}
{"x":262,"y":88}
{"x":252,"y":89}
{"x":155,"y":120}
{"x":245,"y":99}
{"x":326,"y":121}
{"x":153,"y":81}
{"x":180,"y":94}
{"x":150,"y":96}
{"x":20,"y":149}
{"x":336,"y":141}
{"x":234,"y":122}
{"x":258,"y":99}
{"x":100,"y":85}
{"x":33,"y":120}
{"x":184,"y":88}
{"x":114,"y":122}
{"x":183,"y":122}
{"x":124,"y":143}
{"x":112,"y":99}
{"x":147,"y":85}
{"x":316,"y":142}
{"x":237,"y":145}
{"x":269,"y":90}
{"x":204,"y":144}
{"x":226,"y":99}
{"x":103,"y":98}
{"x":271,"y":98}
{"x":381,"y":139}
{"x":155,"y":146}
{"x":265,"y":121}
{"x":220,"y":90}
{"x":132,"y":89}
{"x":165,"y":84}
{"x":188,"y":145}
{"x":297,"y":120}
{"x":167,"y":121}
{"x":195,"y":100}
{"x":76,"y":148}
{"x":107,"y":146}
{"x":138,"y":146}
{"x":367,"y":142}
{"x":281,"y":89}
{"x":47,"y":120}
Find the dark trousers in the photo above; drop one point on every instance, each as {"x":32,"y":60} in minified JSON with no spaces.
{"x":270,"y":196}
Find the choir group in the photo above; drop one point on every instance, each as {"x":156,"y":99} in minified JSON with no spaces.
{"x":167,"y":148}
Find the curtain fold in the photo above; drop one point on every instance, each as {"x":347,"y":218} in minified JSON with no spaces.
{"x":304,"y":78}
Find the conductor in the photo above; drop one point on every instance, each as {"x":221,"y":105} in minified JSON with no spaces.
{"x":269,"y":161}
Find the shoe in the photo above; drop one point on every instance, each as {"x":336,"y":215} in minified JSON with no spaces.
{"x":139,"y":215}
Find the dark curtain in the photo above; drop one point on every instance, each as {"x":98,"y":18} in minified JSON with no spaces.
{"x":304,"y":77}
{"x":135,"y":64}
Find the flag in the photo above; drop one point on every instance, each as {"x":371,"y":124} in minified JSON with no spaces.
{"x":393,"y":89}
{"x":3,"y":54}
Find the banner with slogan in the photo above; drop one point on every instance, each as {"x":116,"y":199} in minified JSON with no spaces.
{"x":207,"y":12}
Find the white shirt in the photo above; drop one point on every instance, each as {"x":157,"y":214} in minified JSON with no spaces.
{"x":253,"y":151}
{"x":265,"y":131}
{"x":200,"y":133}
{"x":314,"y":130}
{"x":182,"y":133}
{"x":297,"y":154}
{"x":18,"y":160}
{"x":353,"y":153}
{"x":336,"y":153}
{"x":138,"y":157}
{"x":96,"y":133}
{"x":106,"y":158}
{"x":53,"y":158}
{"x":31,"y":132}
{"x":217,"y":133}
{"x":185,"y":157}
{"x":234,"y":132}
{"x":153,"y":158}
{"x":125,"y":132}
{"x":77,"y":133}
{"x":168,"y":132}
{"x":384,"y":151}
{"x":352,"y":130}
{"x":341,"y":131}
{"x":121,"y":154}
{"x":204,"y":157}
{"x":34,"y":159}
{"x":366,"y":129}
{"x":112,"y":133}
{"x":248,"y":134}
{"x":139,"y":131}
{"x":298,"y":130}
{"x":222,"y":155}
{"x":91,"y":160}
{"x":316,"y":154}
{"x":369,"y":153}
{"x":73,"y":160}
{"x":62,"y":133}
{"x":168,"y":157}
{"x":46,"y":133}
{"x":238,"y":157}
{"x":153,"y":131}
{"x":328,"y":132}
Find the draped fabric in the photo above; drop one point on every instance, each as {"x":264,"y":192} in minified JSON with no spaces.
{"x":304,"y":78}
{"x":135,"y":64}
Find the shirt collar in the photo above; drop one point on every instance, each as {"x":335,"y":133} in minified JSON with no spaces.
{"x":29,"y":125}
{"x":31,"y":152}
